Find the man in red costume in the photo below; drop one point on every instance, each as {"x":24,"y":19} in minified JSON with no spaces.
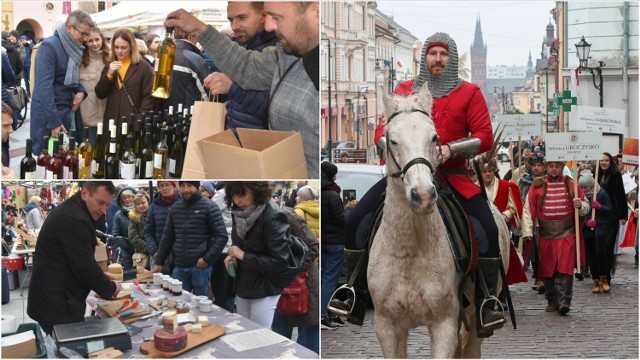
{"x":505,"y":195}
{"x":552,"y":203}
{"x":461,"y":118}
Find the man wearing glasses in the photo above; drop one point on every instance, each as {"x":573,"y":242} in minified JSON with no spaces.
{"x":57,"y":91}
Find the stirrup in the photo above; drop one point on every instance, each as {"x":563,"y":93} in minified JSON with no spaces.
{"x":344,"y":289}
{"x":491,"y":298}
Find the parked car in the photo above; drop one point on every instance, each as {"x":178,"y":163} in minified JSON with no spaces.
{"x":356,"y":179}
{"x":336,"y":145}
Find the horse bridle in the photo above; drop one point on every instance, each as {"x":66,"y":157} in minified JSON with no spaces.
{"x":420,"y":160}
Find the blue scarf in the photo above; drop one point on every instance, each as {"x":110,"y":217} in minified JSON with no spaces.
{"x":74,"y":51}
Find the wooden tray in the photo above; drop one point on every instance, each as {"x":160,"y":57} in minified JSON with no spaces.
{"x":111,"y":307}
{"x":172,"y":304}
{"x":122,"y":295}
{"x":208,"y":333}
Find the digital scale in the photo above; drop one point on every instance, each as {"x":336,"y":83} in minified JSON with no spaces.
{"x":92,"y":335}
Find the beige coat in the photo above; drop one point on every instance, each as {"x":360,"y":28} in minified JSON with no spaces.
{"x":92,"y":109}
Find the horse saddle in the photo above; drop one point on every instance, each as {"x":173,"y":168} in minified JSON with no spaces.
{"x":459,"y":229}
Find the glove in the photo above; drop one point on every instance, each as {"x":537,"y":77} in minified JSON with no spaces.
{"x":595,"y":205}
{"x":591,"y":223}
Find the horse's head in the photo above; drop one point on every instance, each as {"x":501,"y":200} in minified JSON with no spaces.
{"x":412,"y":148}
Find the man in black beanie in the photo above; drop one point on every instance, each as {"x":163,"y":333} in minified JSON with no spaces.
{"x":196,"y":235}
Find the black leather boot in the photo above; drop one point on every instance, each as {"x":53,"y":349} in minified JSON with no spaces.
{"x":488,"y":318}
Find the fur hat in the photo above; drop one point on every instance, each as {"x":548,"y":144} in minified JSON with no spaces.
{"x":194,"y":183}
{"x":329,"y":169}
{"x":308,"y":193}
{"x":586,"y":178}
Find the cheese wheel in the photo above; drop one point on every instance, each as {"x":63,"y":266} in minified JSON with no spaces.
{"x":115,"y":268}
{"x":166,"y":341}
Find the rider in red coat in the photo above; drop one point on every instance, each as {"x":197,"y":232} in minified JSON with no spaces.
{"x":461,"y":118}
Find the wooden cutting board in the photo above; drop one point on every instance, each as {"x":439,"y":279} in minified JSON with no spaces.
{"x":172,"y":306}
{"x":122,"y":295}
{"x":208,"y":333}
{"x":111,"y":307}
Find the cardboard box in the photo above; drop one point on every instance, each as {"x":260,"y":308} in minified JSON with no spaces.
{"x":263,"y":155}
{"x":101,"y":255}
{"x":19,"y":346}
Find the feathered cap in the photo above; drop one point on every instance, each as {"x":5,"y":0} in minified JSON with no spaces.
{"x":489,"y":160}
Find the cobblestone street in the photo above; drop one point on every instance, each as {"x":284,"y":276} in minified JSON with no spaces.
{"x":602,"y":325}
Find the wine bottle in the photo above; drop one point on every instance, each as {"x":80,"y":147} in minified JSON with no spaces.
{"x":160,"y":157}
{"x":43,"y":160}
{"x":120,"y":144}
{"x":84,"y":156}
{"x":146,"y":158}
{"x":176,"y":156}
{"x":70,"y":165}
{"x":164,"y":67}
{"x":128,"y":161}
{"x":107,"y":132}
{"x":28,"y":163}
{"x":62,"y":152}
{"x":97,"y":161}
{"x":54,"y":168}
{"x":112,"y":163}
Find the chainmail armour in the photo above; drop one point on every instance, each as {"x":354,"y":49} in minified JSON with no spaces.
{"x":444,"y":84}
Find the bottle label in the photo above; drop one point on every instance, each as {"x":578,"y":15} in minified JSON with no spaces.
{"x":155,"y":65}
{"x":30,"y":175}
{"x":112,"y":148}
{"x":50,"y":175}
{"x":81,"y":163}
{"x":148,"y":171}
{"x":65,"y":172}
{"x":172,"y":165}
{"x":157,"y":161}
{"x":40,"y":172}
{"x":127,"y":171}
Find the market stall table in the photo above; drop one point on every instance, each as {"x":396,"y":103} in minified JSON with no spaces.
{"x":243,"y":338}
{"x":27,"y":252}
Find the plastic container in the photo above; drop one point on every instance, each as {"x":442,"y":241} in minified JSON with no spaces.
{"x":205,"y":305}
{"x":40,"y":346}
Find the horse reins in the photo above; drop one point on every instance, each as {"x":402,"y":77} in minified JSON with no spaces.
{"x":420,"y":160}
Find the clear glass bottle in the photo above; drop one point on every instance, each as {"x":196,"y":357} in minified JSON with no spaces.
{"x":164,"y":67}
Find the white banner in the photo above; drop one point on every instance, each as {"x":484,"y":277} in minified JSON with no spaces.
{"x":526,"y":126}
{"x":573,"y":146}
{"x":589,"y":118}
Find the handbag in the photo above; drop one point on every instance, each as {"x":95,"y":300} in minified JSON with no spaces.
{"x":140,"y":260}
{"x":294,"y":299}
{"x":298,"y":251}
{"x":17,"y":97}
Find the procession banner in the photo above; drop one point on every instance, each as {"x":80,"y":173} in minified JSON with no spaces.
{"x":591,"y":118}
{"x":630,"y":152}
{"x":524,"y":125}
{"x":576,"y":146}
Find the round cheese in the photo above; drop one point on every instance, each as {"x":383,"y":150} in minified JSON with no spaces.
{"x":166,"y":341}
{"x":115,"y":269}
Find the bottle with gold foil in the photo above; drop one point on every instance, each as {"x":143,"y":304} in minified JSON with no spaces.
{"x":164,"y":67}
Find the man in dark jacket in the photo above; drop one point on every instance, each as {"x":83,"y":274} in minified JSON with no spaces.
{"x":196,"y":235}
{"x":245,"y":108}
{"x":64,"y":267}
{"x":28,"y":47}
{"x":57,"y":89}
{"x":157,"y":218}
{"x":14,"y":35}
{"x":189,"y":71}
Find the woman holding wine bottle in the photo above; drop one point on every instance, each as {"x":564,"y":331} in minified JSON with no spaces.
{"x":125,"y":82}
{"x":95,"y":57}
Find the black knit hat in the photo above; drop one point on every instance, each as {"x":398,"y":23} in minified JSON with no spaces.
{"x":329,"y":169}
{"x":194,"y":183}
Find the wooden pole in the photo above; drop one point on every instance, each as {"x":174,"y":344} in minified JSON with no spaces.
{"x":513,"y":179}
{"x":577,"y":220}
{"x":511,"y":156}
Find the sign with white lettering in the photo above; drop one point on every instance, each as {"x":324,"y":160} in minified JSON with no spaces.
{"x":526,"y":126}
{"x":599,"y":119}
{"x":569,"y":146}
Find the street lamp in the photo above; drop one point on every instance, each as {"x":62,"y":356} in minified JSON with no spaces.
{"x":329,"y":142}
{"x":495,"y":91}
{"x":358,"y":122}
{"x":582,"y":49}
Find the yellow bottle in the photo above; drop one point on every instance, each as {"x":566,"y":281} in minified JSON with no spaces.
{"x":164,"y":67}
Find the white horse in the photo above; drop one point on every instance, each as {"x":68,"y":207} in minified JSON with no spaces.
{"x":412,"y":276}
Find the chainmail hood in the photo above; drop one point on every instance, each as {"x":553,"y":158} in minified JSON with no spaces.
{"x":444,"y":84}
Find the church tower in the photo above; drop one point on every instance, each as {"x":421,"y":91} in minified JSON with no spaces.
{"x":479,"y":59}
